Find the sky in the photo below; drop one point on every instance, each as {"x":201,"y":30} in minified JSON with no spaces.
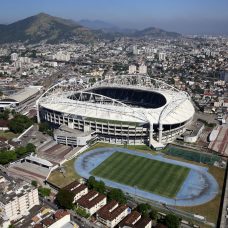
{"x":184,"y":16}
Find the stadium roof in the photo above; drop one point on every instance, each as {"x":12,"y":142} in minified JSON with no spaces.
{"x":178,"y":107}
{"x":23,"y":94}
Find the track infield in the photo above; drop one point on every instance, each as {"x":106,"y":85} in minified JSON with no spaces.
{"x":142,"y":173}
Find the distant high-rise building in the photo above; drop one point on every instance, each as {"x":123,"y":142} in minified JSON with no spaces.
{"x":132,"y":69}
{"x":135,"y":50}
{"x":14,"y":57}
{"x":142,"y":69}
{"x":162,"y":56}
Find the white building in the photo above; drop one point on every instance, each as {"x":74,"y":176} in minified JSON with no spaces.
{"x":92,"y":202}
{"x":78,"y":189}
{"x":134,"y":219}
{"x":24,"y":59}
{"x":17,"y":199}
{"x":162,"y":56}
{"x":61,"y":56}
{"x":135,"y":50}
{"x":132,"y":69}
{"x":14,"y":57}
{"x":112,"y":213}
{"x":142,"y":69}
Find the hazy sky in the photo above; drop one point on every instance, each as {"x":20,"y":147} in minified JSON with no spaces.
{"x":185,"y":16}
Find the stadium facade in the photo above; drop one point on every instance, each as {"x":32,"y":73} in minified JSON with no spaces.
{"x":132,"y":109}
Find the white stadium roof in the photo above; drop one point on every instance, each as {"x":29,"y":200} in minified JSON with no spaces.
{"x":178,"y":107}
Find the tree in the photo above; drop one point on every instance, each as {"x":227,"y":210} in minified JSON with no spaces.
{"x":96,"y":185}
{"x":5,"y":114}
{"x":34,"y":183}
{"x":19,"y":123}
{"x":20,"y":152}
{"x":144,"y":209}
{"x":7,"y":156}
{"x":44,"y":191}
{"x":65,"y":198}
{"x":30,"y":147}
{"x":45,"y":128}
{"x":118,"y":195}
{"x":172,"y":221}
{"x":153,"y":214}
{"x":90,"y":182}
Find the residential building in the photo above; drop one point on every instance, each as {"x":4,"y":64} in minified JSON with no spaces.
{"x":92,"y":202}
{"x":135,"y":220}
{"x":112,"y":213}
{"x":142,"y":69}
{"x":14,"y":57}
{"x":78,"y":189}
{"x":132,"y":69}
{"x":16,"y":199}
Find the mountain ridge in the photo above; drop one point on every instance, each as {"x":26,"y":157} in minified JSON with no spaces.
{"x":46,"y":28}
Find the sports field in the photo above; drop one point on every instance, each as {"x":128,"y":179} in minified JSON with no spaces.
{"x":149,"y":175}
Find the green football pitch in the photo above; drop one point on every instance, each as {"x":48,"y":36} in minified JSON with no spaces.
{"x":146,"y":174}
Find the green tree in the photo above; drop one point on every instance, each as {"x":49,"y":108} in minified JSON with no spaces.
{"x":153,"y":214}
{"x":118,"y":195}
{"x":45,"y":192}
{"x":34,"y":183}
{"x":7,"y":156}
{"x":19,"y":123}
{"x":21,"y":151}
{"x":5,"y":114}
{"x":144,"y":209}
{"x":172,"y":221}
{"x":30,"y":147}
{"x":91,"y":182}
{"x":45,"y":128}
{"x":65,"y":199}
{"x":96,"y":185}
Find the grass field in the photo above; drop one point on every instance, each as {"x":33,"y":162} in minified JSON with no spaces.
{"x":60,"y":180}
{"x":149,"y":175}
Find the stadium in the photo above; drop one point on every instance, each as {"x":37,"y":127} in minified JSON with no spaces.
{"x":125,"y":109}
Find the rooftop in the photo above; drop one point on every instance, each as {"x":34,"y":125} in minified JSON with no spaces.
{"x":111,"y":210}
{"x":90,"y":199}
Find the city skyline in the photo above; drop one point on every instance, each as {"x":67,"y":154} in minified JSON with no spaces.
{"x":192,"y":17}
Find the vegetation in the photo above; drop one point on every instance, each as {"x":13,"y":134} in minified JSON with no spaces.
{"x":118,"y":195}
{"x":34,"y":183}
{"x":81,"y":212}
{"x":144,"y":209}
{"x":19,"y":123}
{"x":10,"y":156}
{"x":65,"y":176}
{"x":172,"y":221}
{"x":147,"y":211}
{"x":7,"y":157}
{"x":65,"y":198}
{"x":5,"y":114}
{"x":46,"y":128}
{"x":143,"y":173}
{"x":44,"y":192}
{"x":153,"y":214}
{"x":96,"y":185}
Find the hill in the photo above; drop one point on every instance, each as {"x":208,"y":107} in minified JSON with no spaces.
{"x":43,"y":27}
{"x":155,"y":32}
